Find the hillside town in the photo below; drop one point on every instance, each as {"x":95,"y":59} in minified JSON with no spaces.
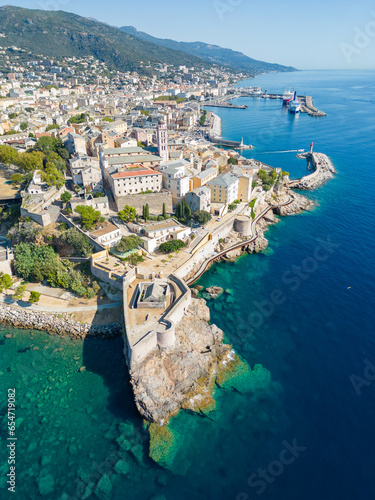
{"x":116,"y":190}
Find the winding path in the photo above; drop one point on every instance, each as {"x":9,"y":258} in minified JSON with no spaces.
{"x":254,"y":234}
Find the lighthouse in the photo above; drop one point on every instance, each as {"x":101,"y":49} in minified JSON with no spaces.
{"x":162,"y":135}
{"x":311,"y":147}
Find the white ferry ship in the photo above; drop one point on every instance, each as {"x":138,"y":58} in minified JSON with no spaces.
{"x":294,"y":106}
{"x":287,"y":96}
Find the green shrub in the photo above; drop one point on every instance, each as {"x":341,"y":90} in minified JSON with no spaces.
{"x":34,"y":297}
{"x":128,"y":243}
{"x":171,"y":246}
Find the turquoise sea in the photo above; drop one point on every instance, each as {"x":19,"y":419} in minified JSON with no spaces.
{"x":303,"y":309}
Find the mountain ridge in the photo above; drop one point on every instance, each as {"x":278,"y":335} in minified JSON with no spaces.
{"x":64,"y":34}
{"x":212,"y":53}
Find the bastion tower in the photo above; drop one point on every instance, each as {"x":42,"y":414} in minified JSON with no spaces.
{"x":162,"y":135}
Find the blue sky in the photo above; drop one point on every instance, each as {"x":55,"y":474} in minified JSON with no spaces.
{"x":323,"y":34}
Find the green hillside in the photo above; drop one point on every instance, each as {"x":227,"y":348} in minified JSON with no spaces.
{"x":58,"y":34}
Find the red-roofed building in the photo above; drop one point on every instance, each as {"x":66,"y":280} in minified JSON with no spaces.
{"x":134,"y":179}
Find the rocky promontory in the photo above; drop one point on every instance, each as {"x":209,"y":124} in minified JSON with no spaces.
{"x":182,"y":376}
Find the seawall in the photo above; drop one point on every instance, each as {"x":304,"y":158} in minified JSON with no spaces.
{"x":323,"y":170}
{"x":56,"y":324}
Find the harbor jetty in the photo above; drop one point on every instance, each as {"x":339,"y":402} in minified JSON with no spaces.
{"x":308,"y":107}
{"x":322,"y":170}
{"x":214,"y":134}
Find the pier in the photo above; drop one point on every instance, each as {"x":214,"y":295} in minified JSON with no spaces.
{"x":307,"y":105}
{"x":322,"y":170}
{"x":229,"y":144}
{"x":225,"y":105}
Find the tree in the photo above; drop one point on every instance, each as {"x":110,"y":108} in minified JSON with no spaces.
{"x":78,"y":241}
{"x":46,"y":144}
{"x":19,"y":292}
{"x":66,"y":196}
{"x":23,"y":126}
{"x":146,"y":212}
{"x":16,"y":179}
{"x":164,"y":211}
{"x":31,"y":161}
{"x":52,"y":126}
{"x":53,"y":176}
{"x":128,"y":214}
{"x":202,"y":217}
{"x":171,"y":246}
{"x":233,"y":161}
{"x":5,"y":282}
{"x":187,"y":213}
{"x":80,"y":118}
{"x":89,"y":216}
{"x":34,"y":297}
{"x":128,"y":243}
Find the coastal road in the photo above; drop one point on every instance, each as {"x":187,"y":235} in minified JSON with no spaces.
{"x":254,"y":235}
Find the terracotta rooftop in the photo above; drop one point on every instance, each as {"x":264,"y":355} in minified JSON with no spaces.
{"x":108,"y":228}
{"x":134,"y":172}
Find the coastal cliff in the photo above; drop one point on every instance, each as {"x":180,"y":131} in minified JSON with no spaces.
{"x":182,"y":376}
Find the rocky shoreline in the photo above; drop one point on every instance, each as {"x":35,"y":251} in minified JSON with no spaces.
{"x":300,"y":204}
{"x":182,"y":376}
{"x":56,"y":324}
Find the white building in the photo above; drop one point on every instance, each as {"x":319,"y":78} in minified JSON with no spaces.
{"x":176,"y":178}
{"x":108,"y":235}
{"x":162,"y":138}
{"x":86,"y":172}
{"x":158,"y":232}
{"x":134,"y":180}
{"x":76,"y":144}
{"x":199,"y":199}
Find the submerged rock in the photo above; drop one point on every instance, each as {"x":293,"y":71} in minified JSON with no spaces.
{"x":46,"y":485}
{"x":214,"y":291}
{"x":122,"y":467}
{"x":103,"y":489}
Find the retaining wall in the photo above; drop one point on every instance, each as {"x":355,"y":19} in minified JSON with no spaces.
{"x":154,"y":200}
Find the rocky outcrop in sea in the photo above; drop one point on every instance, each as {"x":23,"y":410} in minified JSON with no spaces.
{"x":184,"y":375}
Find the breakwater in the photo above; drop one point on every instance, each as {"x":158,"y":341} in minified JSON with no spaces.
{"x":308,"y":107}
{"x":323,"y":170}
{"x":56,"y":324}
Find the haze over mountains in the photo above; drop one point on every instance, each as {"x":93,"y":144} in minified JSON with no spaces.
{"x":63,"y":34}
{"x":213,"y":53}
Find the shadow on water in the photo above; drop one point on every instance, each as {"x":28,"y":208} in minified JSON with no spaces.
{"x":105,"y":358}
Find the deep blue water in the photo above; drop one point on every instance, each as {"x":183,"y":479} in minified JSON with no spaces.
{"x":323,"y":332}
{"x":311,"y":342}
